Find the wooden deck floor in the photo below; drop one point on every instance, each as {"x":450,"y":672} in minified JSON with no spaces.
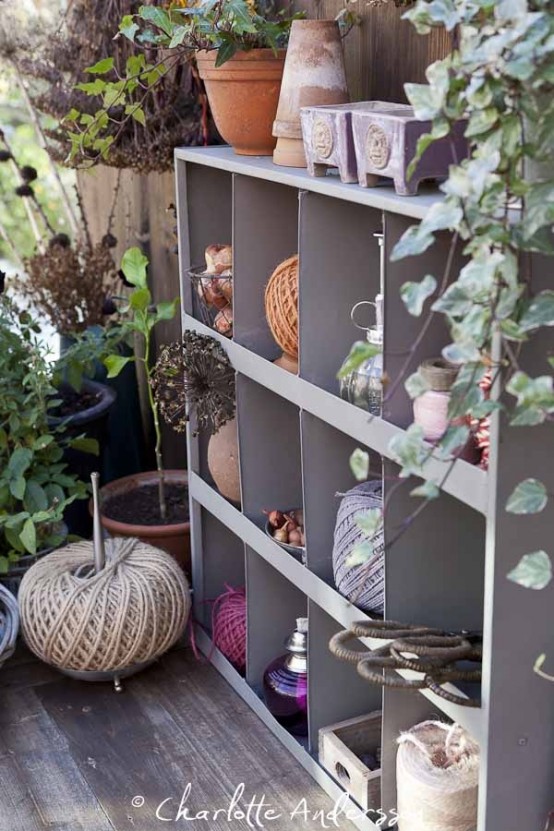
{"x":78,"y":757}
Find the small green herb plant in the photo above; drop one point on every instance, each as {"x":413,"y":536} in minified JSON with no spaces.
{"x":35,"y":487}
{"x":141,"y":318}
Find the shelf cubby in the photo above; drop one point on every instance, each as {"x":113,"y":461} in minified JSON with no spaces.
{"x":223,"y":563}
{"x":335,"y":690}
{"x":449,"y":567}
{"x":342,"y":268}
{"x":269,"y":623}
{"x":326,"y":475}
{"x":258,"y":248}
{"x":270,"y":460}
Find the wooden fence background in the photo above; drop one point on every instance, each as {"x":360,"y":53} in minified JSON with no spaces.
{"x":381,"y":54}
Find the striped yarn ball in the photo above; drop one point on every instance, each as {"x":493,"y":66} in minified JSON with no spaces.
{"x":363,"y":585}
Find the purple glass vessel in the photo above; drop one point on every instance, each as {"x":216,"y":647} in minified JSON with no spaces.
{"x":286,"y":683}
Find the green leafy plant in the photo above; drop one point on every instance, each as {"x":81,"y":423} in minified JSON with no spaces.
{"x":499,"y":206}
{"x":142,"y":317}
{"x":165,"y":38}
{"x":35,"y":488}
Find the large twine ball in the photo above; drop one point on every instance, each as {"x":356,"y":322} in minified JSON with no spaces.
{"x":363,"y":585}
{"x":281,"y":305}
{"x":437,"y":776}
{"x":229,"y":625}
{"x":129,"y":613}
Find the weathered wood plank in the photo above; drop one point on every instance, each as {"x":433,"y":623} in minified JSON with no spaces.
{"x":41,"y":785}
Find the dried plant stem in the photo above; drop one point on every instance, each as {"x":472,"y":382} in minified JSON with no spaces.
{"x":9,"y":242}
{"x":66,"y":202}
{"x":30,"y":215}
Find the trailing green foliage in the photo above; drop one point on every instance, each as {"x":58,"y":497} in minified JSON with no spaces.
{"x":165,"y":37}
{"x":499,"y":205}
{"x":35,"y":487}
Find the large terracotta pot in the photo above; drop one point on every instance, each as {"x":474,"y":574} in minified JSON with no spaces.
{"x":314,"y":75}
{"x":175,"y":539}
{"x":223,"y":460}
{"x":243,"y":96}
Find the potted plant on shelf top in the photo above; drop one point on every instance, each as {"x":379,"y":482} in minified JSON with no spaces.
{"x":152,"y":506}
{"x":238,"y":48}
{"x":35,"y":486}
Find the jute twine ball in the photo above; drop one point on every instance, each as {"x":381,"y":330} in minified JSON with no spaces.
{"x":131,"y":612}
{"x":229,"y":625}
{"x":281,"y":305}
{"x":363,"y":585}
{"x":437,"y":775}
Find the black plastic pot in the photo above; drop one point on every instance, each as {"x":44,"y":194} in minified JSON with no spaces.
{"x":92,"y":422}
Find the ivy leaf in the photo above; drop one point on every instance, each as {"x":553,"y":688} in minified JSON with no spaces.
{"x":133,"y":264}
{"x":415,"y":294}
{"x":360,"y":352}
{"x":96,"y":87}
{"x":529,"y":497}
{"x":359,"y":464}
{"x":453,"y":440}
{"x":413,"y":241}
{"x":28,"y":536}
{"x":416,"y":385}
{"x":370,"y":521}
{"x":428,"y":490}
{"x":225,"y":52}
{"x":101,"y":67}
{"x":158,"y":17}
{"x":128,"y":28}
{"x":114,"y":364}
{"x":534,"y":571}
{"x":481,"y":121}
{"x":538,"y":312}
{"x":178,"y":37}
{"x":359,"y":555}
{"x":410,"y":450}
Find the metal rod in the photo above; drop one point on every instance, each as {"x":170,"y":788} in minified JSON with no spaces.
{"x":97,"y":536}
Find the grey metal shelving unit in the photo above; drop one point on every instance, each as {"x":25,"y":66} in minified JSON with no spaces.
{"x":295,"y":437}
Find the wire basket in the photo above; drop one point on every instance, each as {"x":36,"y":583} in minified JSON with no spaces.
{"x":213,"y":299}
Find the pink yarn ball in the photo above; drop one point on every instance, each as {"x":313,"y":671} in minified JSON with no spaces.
{"x":229,"y":625}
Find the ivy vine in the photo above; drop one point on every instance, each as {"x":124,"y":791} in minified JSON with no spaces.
{"x":499,"y":206}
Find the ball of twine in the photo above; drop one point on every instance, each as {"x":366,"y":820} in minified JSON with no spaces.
{"x":364,"y":584}
{"x":229,"y":625}
{"x":281,"y":305}
{"x":437,"y":774}
{"x":129,"y":613}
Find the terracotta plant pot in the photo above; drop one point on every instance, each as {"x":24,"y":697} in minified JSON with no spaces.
{"x":243,"y":96}
{"x":223,"y":460}
{"x":174,"y":538}
{"x":314,"y":75}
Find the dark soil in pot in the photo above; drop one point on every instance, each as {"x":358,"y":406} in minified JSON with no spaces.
{"x":73,"y":402}
{"x":141,"y":506}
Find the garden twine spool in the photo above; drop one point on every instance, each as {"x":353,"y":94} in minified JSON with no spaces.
{"x":431,"y":408}
{"x":281,"y":305}
{"x":363,"y":584}
{"x":130,"y":612}
{"x":229,"y":625}
{"x":437,"y":774}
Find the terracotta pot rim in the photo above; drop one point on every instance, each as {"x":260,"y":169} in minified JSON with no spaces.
{"x":129,"y":529}
{"x":243,"y":56}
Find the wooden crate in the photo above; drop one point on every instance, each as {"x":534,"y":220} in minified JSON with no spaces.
{"x":341,"y":747}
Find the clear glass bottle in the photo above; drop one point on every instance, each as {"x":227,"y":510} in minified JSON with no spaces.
{"x":286,"y":683}
{"x":364,"y":387}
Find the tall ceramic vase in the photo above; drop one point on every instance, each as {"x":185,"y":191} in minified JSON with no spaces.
{"x":314,"y":74}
